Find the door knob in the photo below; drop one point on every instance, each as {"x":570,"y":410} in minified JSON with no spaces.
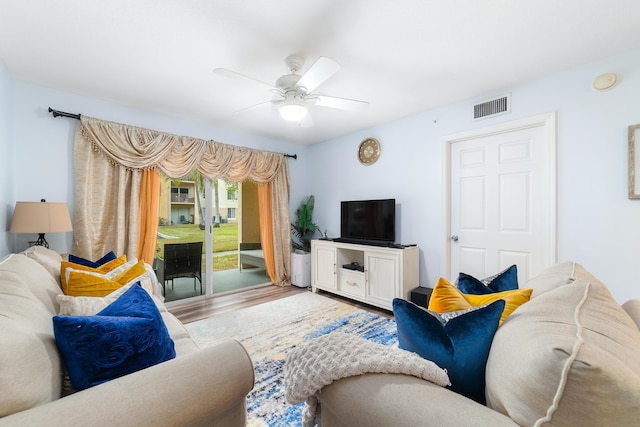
{"x":454,"y":238}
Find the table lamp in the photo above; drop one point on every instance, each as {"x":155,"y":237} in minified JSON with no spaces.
{"x":40,"y":218}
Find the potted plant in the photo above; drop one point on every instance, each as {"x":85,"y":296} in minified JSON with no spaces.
{"x":303,"y":230}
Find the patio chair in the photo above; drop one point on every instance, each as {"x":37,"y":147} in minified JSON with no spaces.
{"x":180,"y":260}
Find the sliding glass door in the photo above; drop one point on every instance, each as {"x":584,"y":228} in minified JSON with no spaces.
{"x":194,"y":209}
{"x":235,"y":221}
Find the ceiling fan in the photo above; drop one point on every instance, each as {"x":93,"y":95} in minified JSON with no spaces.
{"x":295,"y":92}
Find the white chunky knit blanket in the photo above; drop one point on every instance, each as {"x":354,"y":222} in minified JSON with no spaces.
{"x":319,"y":362}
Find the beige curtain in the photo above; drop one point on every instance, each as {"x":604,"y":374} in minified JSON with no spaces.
{"x":106,"y":207}
{"x":128,"y":150}
{"x":281,"y":227}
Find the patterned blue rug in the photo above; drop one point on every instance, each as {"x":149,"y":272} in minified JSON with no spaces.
{"x":269,"y":331}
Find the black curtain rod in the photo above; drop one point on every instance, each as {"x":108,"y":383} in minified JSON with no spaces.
{"x":57,"y":113}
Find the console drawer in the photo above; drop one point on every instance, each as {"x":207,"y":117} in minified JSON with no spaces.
{"x":351,"y":282}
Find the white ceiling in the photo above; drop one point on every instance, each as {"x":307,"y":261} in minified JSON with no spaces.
{"x":402,"y":56}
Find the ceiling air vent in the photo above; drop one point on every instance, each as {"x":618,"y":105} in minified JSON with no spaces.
{"x":492,"y":107}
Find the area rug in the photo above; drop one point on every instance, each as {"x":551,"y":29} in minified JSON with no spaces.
{"x":268,"y":331}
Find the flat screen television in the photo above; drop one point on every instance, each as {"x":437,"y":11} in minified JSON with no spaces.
{"x":368,"y":221}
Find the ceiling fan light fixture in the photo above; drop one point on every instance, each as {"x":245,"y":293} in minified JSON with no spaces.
{"x":293,"y":110}
{"x":294,"y":93}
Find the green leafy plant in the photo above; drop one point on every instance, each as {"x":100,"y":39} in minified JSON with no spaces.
{"x":304,"y":228}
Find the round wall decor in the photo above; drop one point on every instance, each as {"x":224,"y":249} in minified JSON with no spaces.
{"x":605,"y":81}
{"x":369,"y":151}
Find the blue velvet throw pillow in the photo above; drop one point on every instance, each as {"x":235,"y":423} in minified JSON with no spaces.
{"x":93,"y":264}
{"x":506,"y":280}
{"x":126,"y":336}
{"x":460,"y":344}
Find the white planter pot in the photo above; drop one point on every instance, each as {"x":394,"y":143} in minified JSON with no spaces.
{"x":301,"y":269}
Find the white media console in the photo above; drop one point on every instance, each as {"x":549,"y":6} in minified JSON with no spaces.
{"x":380,"y":275}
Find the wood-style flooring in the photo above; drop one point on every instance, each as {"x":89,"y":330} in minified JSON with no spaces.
{"x":201,"y":309}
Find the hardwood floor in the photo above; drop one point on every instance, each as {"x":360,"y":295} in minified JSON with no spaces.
{"x":197,"y":310}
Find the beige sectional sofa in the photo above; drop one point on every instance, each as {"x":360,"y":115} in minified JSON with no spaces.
{"x":199,"y":387}
{"x":568,"y":357}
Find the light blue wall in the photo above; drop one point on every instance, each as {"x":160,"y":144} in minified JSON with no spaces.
{"x":6,"y":158}
{"x":43,"y":147}
{"x":597,"y":224}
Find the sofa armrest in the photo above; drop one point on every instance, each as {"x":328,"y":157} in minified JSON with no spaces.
{"x":206,"y":387}
{"x":380,"y":400}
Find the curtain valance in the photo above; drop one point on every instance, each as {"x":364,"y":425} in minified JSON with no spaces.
{"x":138,"y":148}
{"x":111,"y":161}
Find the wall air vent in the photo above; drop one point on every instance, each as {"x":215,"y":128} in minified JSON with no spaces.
{"x":492,"y":107}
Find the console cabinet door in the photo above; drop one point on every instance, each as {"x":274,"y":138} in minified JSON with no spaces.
{"x":382,"y":275}
{"x":324,"y":266}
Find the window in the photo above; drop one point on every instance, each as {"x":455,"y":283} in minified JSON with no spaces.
{"x":231,"y":213}
{"x":232,"y":194}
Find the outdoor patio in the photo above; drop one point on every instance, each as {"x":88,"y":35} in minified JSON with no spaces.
{"x":223,"y":281}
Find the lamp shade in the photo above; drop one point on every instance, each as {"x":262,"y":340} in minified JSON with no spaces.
{"x":40,"y":217}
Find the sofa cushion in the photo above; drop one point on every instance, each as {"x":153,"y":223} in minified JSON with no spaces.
{"x":110,"y":256}
{"x":182,"y":340}
{"x":47,"y":258}
{"x":33,"y":277}
{"x":460,"y":344}
{"x":29,"y":373}
{"x":632,"y":307}
{"x":553,"y":277}
{"x":571,"y":356}
{"x":138,"y":271}
{"x":150,"y":281}
{"x":26,"y":335}
{"x":506,"y":280}
{"x":128,"y":335}
{"x":446,"y":297}
{"x":89,"y":306}
{"x":26,"y":282}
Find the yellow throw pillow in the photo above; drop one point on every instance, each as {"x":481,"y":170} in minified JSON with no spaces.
{"x":89,"y":284}
{"x":92,"y":284}
{"x":446,"y":297}
{"x":105,"y":268}
{"x":142,"y":273}
{"x":131,"y":273}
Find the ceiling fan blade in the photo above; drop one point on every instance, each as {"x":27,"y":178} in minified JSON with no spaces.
{"x":340,"y":103}
{"x":319,"y":72}
{"x":253,"y":107}
{"x":237,"y":76}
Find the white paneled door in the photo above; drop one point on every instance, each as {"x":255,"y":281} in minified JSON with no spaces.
{"x":501,"y":199}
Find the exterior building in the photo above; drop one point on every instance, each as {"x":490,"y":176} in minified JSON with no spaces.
{"x":179,"y":202}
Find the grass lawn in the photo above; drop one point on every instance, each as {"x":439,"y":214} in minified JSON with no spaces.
{"x":225,"y":262}
{"x":225,"y":238}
